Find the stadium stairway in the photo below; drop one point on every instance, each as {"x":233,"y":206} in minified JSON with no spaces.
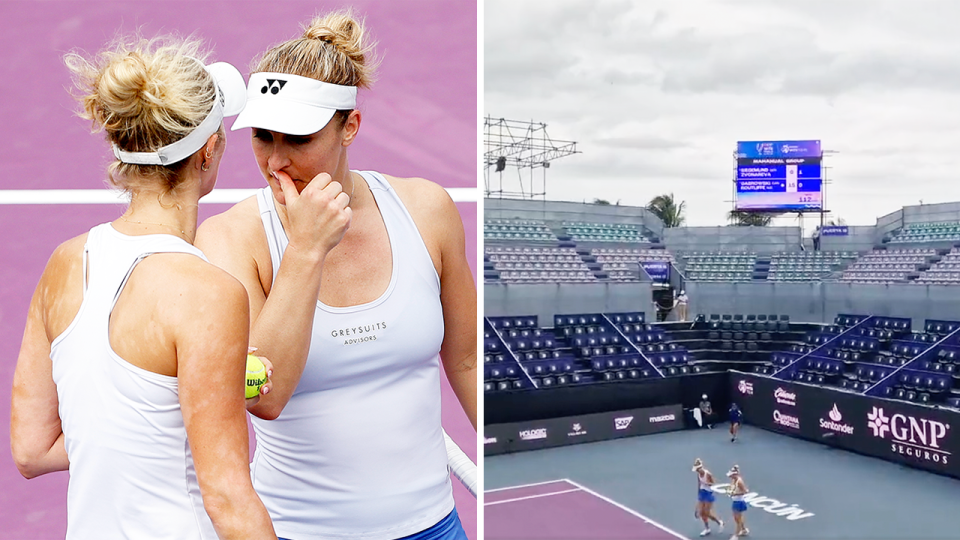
{"x":734,"y":341}
{"x":489,"y":272}
{"x":761,"y":268}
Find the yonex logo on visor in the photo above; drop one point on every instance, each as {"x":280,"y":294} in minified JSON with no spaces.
{"x":273,"y":86}
{"x":304,"y":106}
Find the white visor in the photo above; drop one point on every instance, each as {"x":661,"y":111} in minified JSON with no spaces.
{"x":230,"y":100}
{"x":291,"y":104}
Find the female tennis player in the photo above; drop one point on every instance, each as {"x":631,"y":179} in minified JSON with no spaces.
{"x":705,"y":498}
{"x":359,"y":287}
{"x":131,"y":370}
{"x":736,"y":417}
{"x":738,"y":489}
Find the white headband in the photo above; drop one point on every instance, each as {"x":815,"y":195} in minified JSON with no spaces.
{"x":229,"y":101}
{"x":292,"y":104}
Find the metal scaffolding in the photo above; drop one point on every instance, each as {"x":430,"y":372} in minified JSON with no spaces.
{"x":524,"y":147}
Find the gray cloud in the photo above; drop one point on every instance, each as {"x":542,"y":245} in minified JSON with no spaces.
{"x":657,"y":93}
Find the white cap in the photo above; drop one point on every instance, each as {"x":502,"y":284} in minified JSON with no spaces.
{"x":291,"y":104}
{"x":229,"y":101}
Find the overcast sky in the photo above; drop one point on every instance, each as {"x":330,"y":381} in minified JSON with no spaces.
{"x":657,"y":92}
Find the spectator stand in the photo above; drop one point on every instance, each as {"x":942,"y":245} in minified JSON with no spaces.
{"x":668,"y":358}
{"x":502,"y":370}
{"x":855,"y":342}
{"x":830,"y":346}
{"x":928,"y":377}
{"x":946,"y":271}
{"x":877,"y":356}
{"x":579,"y":349}
{"x":521,"y":263}
{"x":604,"y":352}
{"x":718,"y":266}
{"x":890,"y":265}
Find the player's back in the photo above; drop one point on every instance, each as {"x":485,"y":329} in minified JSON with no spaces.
{"x":131,"y":469}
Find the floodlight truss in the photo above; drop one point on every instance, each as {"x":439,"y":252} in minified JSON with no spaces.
{"x":523,"y":146}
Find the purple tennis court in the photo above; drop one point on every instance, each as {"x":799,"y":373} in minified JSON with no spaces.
{"x":419,"y":120}
{"x":643,"y":488}
{"x":533,"y":511}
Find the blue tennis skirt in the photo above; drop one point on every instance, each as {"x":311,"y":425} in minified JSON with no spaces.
{"x":705,"y":495}
{"x":739,"y":506}
{"x":448,"y":528}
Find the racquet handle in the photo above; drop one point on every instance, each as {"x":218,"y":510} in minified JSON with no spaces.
{"x":460,"y":465}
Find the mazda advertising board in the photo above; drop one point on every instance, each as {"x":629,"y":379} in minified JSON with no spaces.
{"x":900,"y":432}
{"x":532,"y":435}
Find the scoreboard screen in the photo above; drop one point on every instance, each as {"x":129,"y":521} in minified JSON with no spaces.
{"x":779,"y":176}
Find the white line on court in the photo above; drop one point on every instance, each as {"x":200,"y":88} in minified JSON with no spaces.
{"x":109,"y":196}
{"x":532,"y":497}
{"x":660,"y":526}
{"x":525,"y":485}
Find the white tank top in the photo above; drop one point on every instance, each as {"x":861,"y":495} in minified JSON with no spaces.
{"x":702,"y":479}
{"x":358,"y":452}
{"x":131,"y":470}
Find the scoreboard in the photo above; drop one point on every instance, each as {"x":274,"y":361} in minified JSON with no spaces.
{"x":779,"y":176}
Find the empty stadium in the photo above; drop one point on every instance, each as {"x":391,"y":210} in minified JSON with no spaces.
{"x":844,"y":360}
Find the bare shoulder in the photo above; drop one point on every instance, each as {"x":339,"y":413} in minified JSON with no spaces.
{"x":65,"y":265}
{"x":192,"y":279}
{"x":424,"y":198}
{"x":69,"y":251}
{"x":59,"y":292}
{"x":239,"y":221}
{"x":235,"y":241}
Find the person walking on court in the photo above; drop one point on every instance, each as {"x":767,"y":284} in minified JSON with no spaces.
{"x":705,"y":498}
{"x":736,"y":417}
{"x":131,"y":373}
{"x":738,"y":488}
{"x":359,"y":288}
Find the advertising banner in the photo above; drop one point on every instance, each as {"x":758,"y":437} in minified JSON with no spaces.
{"x":914,"y":435}
{"x":552,"y":432}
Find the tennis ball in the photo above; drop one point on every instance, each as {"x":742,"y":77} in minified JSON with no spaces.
{"x":256,"y":376}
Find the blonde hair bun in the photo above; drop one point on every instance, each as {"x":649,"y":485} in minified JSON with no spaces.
{"x":334,"y":48}
{"x":145,"y":94}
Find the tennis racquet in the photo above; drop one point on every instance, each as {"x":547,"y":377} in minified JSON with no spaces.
{"x":460,"y":465}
